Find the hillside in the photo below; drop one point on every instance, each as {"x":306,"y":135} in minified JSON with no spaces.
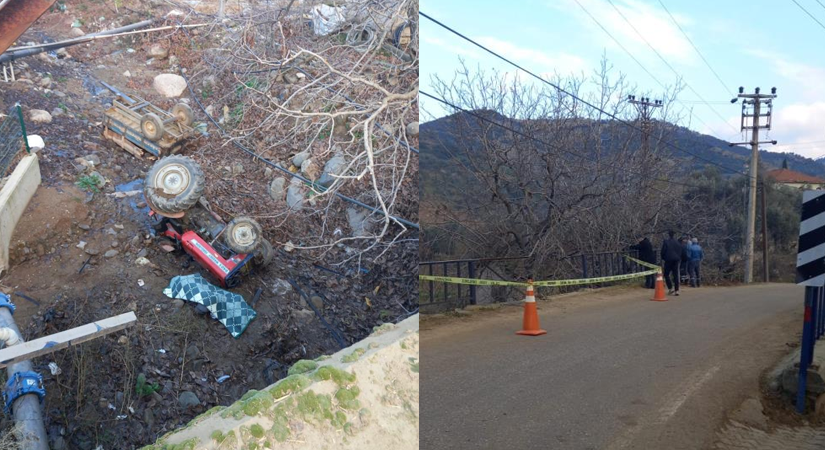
{"x":441,"y":155}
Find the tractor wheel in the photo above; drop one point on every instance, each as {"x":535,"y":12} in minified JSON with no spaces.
{"x":151,"y":126}
{"x":174,"y":184}
{"x":264,"y":254}
{"x":183,"y":114}
{"x":243,"y":235}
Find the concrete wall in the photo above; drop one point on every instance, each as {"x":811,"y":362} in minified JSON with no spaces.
{"x":363,"y":397}
{"x":14,"y":197}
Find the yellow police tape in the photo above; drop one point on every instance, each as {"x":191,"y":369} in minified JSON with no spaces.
{"x":549,"y":283}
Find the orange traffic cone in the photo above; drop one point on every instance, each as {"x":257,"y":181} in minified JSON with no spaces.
{"x":530,"y":327}
{"x":659,"y":294}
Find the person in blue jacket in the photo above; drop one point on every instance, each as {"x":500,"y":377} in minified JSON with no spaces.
{"x":694,"y":264}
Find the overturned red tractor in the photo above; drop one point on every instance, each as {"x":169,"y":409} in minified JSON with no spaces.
{"x":174,"y":190}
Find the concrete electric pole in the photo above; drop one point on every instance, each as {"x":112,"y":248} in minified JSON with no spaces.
{"x":645,"y":109}
{"x":756,"y":101}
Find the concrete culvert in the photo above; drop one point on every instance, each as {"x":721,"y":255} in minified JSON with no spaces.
{"x":174,"y":184}
{"x":243,"y":235}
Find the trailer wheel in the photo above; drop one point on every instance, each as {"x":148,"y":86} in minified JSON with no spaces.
{"x":174,"y":184}
{"x":243,"y":235}
{"x":183,"y":114}
{"x":151,"y":126}
{"x":264,"y":254}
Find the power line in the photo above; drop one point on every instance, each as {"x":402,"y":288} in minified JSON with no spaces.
{"x":657,"y":54}
{"x":548,"y":144}
{"x":585,"y":102}
{"x":820,"y":4}
{"x":642,"y":66}
{"x":696,"y":48}
{"x":809,"y":14}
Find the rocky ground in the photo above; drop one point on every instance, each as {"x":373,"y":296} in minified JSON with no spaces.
{"x":79,"y":253}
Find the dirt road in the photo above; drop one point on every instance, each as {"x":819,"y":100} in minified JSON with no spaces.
{"x":615,"y":371}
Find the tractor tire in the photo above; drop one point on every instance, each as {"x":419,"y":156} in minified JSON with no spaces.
{"x":174,"y":184}
{"x":151,"y":126}
{"x":264,"y":254}
{"x":243,"y":235}
{"x":183,"y":114}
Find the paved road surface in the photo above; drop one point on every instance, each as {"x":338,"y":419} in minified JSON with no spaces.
{"x":614,"y":372}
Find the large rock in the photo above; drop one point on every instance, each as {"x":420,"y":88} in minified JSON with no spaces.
{"x":299,"y":158}
{"x":357,"y":218}
{"x":335,"y":166}
{"x":40,"y":116}
{"x":310,"y":169}
{"x":412,"y":129}
{"x":277,"y":188}
{"x":295,"y":195}
{"x":169,"y":85}
{"x":188,"y":399}
{"x":157,"y":51}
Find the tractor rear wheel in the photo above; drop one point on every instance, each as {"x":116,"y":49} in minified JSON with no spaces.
{"x":174,"y":184}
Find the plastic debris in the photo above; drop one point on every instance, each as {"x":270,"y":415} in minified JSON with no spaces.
{"x":228,"y":308}
{"x":121,"y":417}
{"x":327,"y":19}
{"x":54,"y":369}
{"x":142,"y":261}
{"x":222,"y":378}
{"x":112,"y":407}
{"x":160,"y":350}
{"x":140,"y":282}
{"x":131,"y":410}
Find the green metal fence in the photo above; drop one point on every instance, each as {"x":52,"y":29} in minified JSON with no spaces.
{"x":12,"y":137}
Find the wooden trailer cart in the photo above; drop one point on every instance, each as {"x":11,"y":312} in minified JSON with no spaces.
{"x":138,"y":126}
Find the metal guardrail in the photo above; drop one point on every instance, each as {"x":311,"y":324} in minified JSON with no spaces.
{"x":813,"y":327}
{"x":435,"y":295}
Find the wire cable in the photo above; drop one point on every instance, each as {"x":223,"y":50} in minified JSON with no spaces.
{"x":585,"y":102}
{"x":533,"y":138}
{"x":727,"y":90}
{"x":809,"y":14}
{"x":675,"y":72}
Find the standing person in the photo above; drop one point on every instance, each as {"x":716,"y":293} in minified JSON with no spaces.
{"x":684,"y":241}
{"x":648,"y":255}
{"x":671,"y":257}
{"x":696,"y":257}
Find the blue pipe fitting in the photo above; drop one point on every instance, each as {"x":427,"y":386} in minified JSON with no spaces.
{"x":20,"y":384}
{"x":5,"y":301}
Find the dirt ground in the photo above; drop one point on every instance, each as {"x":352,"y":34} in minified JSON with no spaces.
{"x":58,"y":283}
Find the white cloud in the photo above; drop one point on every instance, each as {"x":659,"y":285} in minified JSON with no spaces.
{"x":533,"y":59}
{"x":799,"y":74}
{"x":651,"y":22}
{"x":802,"y":127}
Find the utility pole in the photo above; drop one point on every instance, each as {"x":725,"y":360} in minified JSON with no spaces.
{"x":756,"y":101}
{"x":645,"y":109}
{"x":765,"y":274}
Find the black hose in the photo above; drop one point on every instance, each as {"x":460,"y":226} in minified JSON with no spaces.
{"x":334,"y":331}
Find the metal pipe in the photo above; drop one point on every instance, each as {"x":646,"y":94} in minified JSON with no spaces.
{"x":28,"y":413}
{"x":20,"y":52}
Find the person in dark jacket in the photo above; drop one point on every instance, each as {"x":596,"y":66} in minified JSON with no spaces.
{"x":648,"y":255}
{"x":684,"y":277}
{"x":671,"y":257}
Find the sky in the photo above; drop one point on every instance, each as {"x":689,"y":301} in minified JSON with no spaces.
{"x":764,"y":43}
